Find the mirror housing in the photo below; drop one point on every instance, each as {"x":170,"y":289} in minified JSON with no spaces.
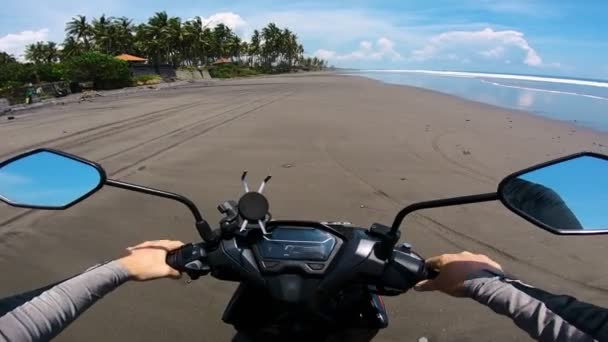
{"x":48,"y":179}
{"x":566,"y":196}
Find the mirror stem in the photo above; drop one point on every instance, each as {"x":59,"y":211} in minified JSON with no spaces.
{"x":201,"y":225}
{"x":493,"y":196}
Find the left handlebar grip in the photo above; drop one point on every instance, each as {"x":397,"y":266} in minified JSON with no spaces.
{"x":189,"y":259}
{"x":172,"y":259}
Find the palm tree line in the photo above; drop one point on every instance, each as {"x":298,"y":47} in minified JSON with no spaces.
{"x":170,"y":40}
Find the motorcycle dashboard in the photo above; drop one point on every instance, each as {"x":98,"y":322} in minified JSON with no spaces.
{"x":306,"y":248}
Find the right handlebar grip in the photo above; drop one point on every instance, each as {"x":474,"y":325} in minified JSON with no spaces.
{"x":430,"y":273}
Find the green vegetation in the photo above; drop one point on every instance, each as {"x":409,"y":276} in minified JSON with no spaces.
{"x":145,"y":80}
{"x":42,"y":53}
{"x":5,"y":58}
{"x":16,"y":74}
{"x":232,"y":70}
{"x":86,"y":54}
{"x":106,"y":72}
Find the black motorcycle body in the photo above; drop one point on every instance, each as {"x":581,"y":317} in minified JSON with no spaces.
{"x":314,"y":281}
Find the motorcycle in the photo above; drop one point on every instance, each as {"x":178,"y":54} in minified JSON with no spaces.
{"x":311,"y":280}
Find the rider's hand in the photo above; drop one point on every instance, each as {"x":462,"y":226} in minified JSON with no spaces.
{"x":453,"y":271}
{"x":146,"y":261}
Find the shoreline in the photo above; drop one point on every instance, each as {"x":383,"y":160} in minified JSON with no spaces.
{"x":516,"y":111}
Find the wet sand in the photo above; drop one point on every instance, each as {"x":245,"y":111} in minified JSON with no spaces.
{"x":358,"y":151}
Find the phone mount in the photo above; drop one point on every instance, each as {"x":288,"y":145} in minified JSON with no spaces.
{"x":253,"y":205}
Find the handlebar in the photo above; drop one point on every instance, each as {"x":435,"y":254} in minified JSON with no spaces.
{"x":403,"y":270}
{"x":190,"y":259}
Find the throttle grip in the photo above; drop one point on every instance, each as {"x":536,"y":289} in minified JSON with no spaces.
{"x":429,"y":273}
{"x":190,"y":259}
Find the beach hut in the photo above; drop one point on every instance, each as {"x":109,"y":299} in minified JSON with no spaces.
{"x":131,"y":59}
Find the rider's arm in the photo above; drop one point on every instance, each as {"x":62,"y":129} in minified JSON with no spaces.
{"x":46,"y":315}
{"x":544,"y":316}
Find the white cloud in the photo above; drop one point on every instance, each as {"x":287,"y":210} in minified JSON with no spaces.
{"x":365,"y":45}
{"x":338,"y":28}
{"x":14,"y":43}
{"x":325,"y":54}
{"x":383,"y":48}
{"x":230,"y":19}
{"x":496,"y":52}
{"x":486,"y":43}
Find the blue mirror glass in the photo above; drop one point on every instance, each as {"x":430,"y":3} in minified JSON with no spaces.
{"x":46,"y":179}
{"x":570,"y":195}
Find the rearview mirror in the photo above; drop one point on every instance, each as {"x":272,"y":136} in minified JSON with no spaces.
{"x":48,"y":179}
{"x":566,"y":196}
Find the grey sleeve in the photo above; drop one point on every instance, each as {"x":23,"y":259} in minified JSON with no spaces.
{"x":47,"y":315}
{"x":544,"y":316}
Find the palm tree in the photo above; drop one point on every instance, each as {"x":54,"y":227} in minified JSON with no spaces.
{"x":222,"y":36}
{"x":122,"y":30}
{"x":234,"y":47}
{"x":289,"y":46}
{"x":158,"y":28}
{"x":51,"y":53}
{"x":272,"y":44}
{"x":315,"y":63}
{"x":71,"y":47}
{"x":254,"y":47}
{"x":192,"y":36}
{"x":165,"y":39}
{"x":5,"y":58}
{"x":42,"y":52}
{"x":300,"y":54}
{"x":244,"y":49}
{"x":174,"y":36}
{"x":206,"y":44}
{"x":79,"y":29}
{"x":151,"y":38}
{"x":102,"y":33}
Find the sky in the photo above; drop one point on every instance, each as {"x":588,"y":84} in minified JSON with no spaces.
{"x":539,"y":37}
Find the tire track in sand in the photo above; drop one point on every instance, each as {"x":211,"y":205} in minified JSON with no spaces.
{"x":105,"y":128}
{"x":442,"y":230}
{"x":472,"y":172}
{"x":193,"y":134}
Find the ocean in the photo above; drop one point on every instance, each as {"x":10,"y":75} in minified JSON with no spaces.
{"x":579,"y":101}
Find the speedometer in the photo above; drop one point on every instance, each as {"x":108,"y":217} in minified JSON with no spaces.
{"x":297,"y":243}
